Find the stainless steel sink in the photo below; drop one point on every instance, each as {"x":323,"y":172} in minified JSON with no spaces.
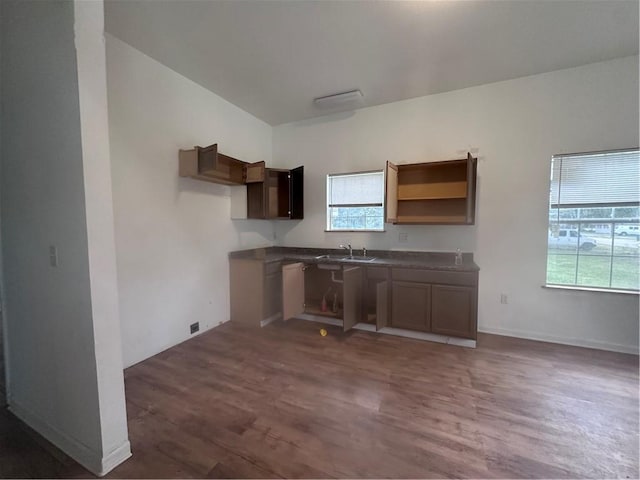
{"x":345,"y":258}
{"x":359,"y":259}
{"x":330,"y":257}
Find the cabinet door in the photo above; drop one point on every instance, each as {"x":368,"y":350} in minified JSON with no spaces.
{"x":452,"y":311}
{"x":296,"y":193}
{"x":352,"y":296}
{"x":382,"y":304}
{"x":246,"y":290}
{"x":254,"y":172}
{"x":411,"y":306}
{"x":472,"y":166}
{"x":391,"y":193}
{"x":292,"y":290}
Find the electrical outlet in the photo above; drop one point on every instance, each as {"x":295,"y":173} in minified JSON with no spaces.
{"x":503,"y":298}
{"x":53,"y":255}
{"x":403,"y":237}
{"x":194,"y":327}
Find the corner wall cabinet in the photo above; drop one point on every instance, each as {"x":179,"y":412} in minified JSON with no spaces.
{"x":441,"y":193}
{"x":271,"y":193}
{"x":206,"y":163}
{"x":280,"y":195}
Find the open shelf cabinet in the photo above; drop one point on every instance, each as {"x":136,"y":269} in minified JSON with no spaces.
{"x":432,"y":193}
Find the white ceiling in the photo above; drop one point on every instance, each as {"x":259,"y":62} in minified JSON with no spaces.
{"x":272,"y":58}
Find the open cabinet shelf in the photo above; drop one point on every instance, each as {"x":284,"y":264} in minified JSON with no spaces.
{"x":432,"y":193}
{"x":314,"y":309}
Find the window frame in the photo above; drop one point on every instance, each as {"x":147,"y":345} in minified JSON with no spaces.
{"x":613,"y":223}
{"x":328,"y":206}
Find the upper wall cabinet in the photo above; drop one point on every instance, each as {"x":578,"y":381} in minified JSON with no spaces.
{"x":441,"y":193}
{"x":279,"y":196}
{"x":206,"y":163}
{"x":271,"y":193}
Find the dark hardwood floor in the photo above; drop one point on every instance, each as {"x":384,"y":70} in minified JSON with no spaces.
{"x":284,"y":401}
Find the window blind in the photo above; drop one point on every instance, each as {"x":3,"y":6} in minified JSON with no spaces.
{"x":595,"y":178}
{"x":356,"y":189}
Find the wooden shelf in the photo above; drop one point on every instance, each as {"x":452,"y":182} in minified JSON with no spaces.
{"x":432,"y":219}
{"x":316,"y":310}
{"x":432,"y":191}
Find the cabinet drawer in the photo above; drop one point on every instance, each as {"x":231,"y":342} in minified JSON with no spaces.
{"x":434,"y":276}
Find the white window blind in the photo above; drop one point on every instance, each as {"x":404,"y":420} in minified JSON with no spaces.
{"x":595,"y":178}
{"x":355,"y":201}
{"x":356,"y":189}
{"x":594,"y":221}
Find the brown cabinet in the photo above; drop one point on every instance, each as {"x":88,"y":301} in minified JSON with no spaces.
{"x":376,"y":297}
{"x":435,"y":301}
{"x":411,"y":306}
{"x":432,"y":193}
{"x":304,"y":286}
{"x":279,"y":195}
{"x":256,"y":291}
{"x":208,"y":164}
{"x":453,"y":310}
{"x":271,"y":193}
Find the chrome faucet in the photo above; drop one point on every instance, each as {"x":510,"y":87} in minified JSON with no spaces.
{"x":364,"y":251}
{"x":348,"y":247}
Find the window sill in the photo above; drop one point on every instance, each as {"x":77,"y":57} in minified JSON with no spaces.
{"x":365,"y":231}
{"x":592,"y":289}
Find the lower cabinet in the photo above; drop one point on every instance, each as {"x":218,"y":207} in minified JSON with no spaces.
{"x":434,"y":301}
{"x":453,"y":311}
{"x":305,"y":286}
{"x":440,"y":302}
{"x":256,"y":291}
{"x":411,"y":306}
{"x":273,"y":290}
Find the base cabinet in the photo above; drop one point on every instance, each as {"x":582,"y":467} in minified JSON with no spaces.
{"x":440,"y":302}
{"x":304,"y":287}
{"x":411,"y":306}
{"x":256,"y":291}
{"x":452,"y":311}
{"x":431,"y":301}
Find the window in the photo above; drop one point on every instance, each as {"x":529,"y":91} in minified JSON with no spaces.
{"x":594,"y":220}
{"x":355,"y":201}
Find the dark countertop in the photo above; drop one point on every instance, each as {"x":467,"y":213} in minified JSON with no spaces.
{"x":382,"y":258}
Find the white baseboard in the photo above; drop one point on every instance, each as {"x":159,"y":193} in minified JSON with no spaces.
{"x":85,"y":456}
{"x":115,"y":458}
{"x":272,"y":318}
{"x":576,"y":342}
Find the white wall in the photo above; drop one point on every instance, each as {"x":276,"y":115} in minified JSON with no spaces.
{"x":173,"y":234}
{"x":516,"y":126}
{"x":96,"y":167}
{"x":64,"y":376}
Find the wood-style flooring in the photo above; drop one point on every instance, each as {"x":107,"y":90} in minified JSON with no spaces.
{"x":283,"y":401}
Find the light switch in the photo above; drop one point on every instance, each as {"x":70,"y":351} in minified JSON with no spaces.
{"x":53,"y":256}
